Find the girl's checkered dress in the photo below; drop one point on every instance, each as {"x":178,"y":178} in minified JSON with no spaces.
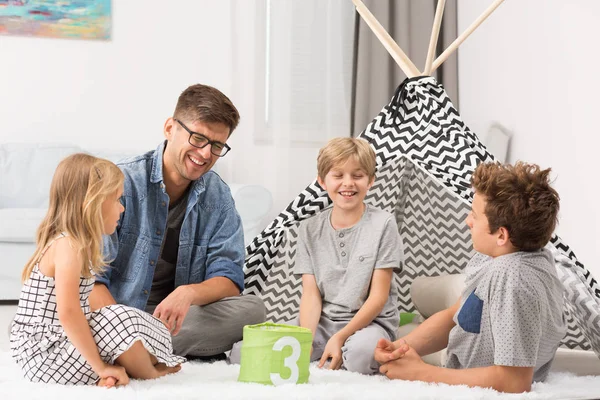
{"x":41,"y":348}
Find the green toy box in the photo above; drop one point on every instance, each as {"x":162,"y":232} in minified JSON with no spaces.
{"x":275,"y":354}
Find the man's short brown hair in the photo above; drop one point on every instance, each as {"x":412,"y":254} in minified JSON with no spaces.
{"x":339,"y":150}
{"x":519,"y":198}
{"x":207,"y":104}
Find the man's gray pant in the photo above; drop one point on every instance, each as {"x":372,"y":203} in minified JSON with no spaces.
{"x":214,"y":328}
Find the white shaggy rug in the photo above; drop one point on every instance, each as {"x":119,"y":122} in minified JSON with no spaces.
{"x":219,"y":381}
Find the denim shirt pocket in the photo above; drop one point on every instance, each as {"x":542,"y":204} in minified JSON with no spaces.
{"x":469,"y":317}
{"x":133,"y":252}
{"x":198,"y":261}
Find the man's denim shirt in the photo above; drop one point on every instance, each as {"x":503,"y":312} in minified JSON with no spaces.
{"x":211,"y":241}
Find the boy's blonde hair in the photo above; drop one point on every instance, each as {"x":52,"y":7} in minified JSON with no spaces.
{"x":339,"y":150}
{"x":80,"y":185}
{"x":519,"y":197}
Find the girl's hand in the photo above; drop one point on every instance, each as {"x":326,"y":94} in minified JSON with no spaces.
{"x":106,"y":382}
{"x":112,"y":375}
{"x":333,"y":350}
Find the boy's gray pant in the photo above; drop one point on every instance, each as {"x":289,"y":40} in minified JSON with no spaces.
{"x":357,"y":351}
{"x":214,"y":328}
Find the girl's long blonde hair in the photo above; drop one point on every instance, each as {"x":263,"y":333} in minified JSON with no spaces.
{"x":80,"y":185}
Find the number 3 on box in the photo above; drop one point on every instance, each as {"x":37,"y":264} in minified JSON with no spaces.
{"x":290,"y":362}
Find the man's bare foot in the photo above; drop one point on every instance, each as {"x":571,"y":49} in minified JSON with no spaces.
{"x":107,"y":382}
{"x":163,"y":370}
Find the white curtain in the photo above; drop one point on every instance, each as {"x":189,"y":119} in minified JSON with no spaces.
{"x":291,"y":80}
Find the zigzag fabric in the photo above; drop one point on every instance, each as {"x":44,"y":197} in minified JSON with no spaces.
{"x":425,"y":158}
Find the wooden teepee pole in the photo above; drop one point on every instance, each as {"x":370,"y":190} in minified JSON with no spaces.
{"x":464,"y":35}
{"x":435,"y":31}
{"x":390,"y":45}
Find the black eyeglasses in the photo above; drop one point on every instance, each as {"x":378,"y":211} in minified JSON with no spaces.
{"x":200,"y":141}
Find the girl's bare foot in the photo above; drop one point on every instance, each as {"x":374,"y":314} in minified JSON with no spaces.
{"x":163,"y":370}
{"x":107,"y":382}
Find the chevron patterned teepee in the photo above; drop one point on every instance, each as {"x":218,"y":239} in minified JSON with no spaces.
{"x":425,"y":158}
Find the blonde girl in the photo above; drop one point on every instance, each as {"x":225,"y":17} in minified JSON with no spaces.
{"x":54,"y":336}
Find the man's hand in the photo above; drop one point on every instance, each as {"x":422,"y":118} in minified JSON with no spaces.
{"x":409,"y":367}
{"x":173,"y":309}
{"x":388,"y":351}
{"x":333,"y":350}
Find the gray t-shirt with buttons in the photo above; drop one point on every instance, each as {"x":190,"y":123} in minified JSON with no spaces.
{"x":511,"y":313}
{"x":343,"y":262}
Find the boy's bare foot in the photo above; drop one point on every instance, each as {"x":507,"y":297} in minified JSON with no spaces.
{"x":163,"y":370}
{"x":107,"y":382}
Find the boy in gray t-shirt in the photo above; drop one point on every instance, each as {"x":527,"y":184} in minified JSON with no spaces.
{"x":504,"y":330}
{"x":507,"y":302}
{"x":346,"y":255}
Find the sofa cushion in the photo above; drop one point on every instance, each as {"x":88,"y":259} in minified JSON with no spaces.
{"x":19,"y":225}
{"x":26,"y":170}
{"x":436,"y":293}
{"x":115,"y":155}
{"x":253,"y":203}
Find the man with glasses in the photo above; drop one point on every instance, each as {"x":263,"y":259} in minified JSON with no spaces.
{"x":178,"y":251}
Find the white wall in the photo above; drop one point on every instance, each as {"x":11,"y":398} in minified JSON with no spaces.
{"x":307,"y":91}
{"x":532,"y":67}
{"x":117,"y":93}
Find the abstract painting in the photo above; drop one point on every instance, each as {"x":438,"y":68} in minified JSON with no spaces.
{"x":81,"y":19}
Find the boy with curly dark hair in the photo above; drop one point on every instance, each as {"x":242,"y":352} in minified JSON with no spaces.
{"x":504,"y":330}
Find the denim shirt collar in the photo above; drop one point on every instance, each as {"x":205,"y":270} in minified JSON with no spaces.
{"x":211,"y":241}
{"x":157,"y":170}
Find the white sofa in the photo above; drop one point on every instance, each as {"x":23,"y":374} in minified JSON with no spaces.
{"x":433,"y":294}
{"x":26,"y":171}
